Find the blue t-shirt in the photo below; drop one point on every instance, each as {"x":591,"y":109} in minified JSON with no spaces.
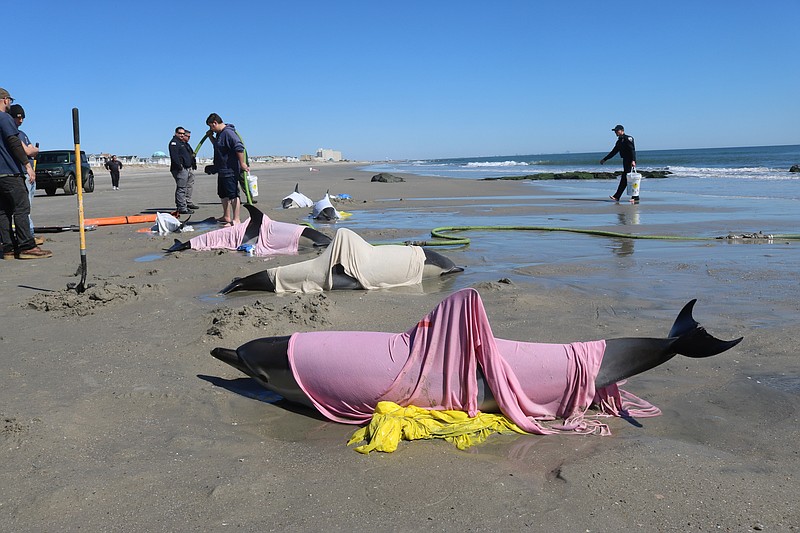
{"x":226,"y":145}
{"x":8,"y":127}
{"x":25,"y":142}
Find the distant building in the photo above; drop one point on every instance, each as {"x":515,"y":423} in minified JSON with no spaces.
{"x":326,"y":154}
{"x":159,"y":158}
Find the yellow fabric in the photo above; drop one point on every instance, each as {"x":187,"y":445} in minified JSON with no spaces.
{"x":390,"y":423}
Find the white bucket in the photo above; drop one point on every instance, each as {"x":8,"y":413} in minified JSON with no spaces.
{"x":252,"y":182}
{"x":634,"y":181}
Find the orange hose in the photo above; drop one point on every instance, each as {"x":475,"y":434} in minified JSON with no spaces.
{"x":128,"y":219}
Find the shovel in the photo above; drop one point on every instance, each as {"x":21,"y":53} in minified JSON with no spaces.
{"x":76,"y":133}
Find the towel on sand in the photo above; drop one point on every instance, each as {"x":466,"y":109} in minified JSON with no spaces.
{"x":274,"y":238}
{"x":542,"y":388}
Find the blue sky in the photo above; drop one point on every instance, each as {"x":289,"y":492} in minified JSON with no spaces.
{"x":410,"y":79}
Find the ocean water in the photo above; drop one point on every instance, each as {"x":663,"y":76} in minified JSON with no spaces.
{"x":710,"y":193}
{"x":744,"y":172}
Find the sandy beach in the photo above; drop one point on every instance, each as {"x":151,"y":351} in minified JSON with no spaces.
{"x":116,"y":418}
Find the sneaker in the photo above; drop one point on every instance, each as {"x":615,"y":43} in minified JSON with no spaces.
{"x":192,"y":206}
{"x":38,"y":241}
{"x":186,"y":211}
{"x":35,"y":253}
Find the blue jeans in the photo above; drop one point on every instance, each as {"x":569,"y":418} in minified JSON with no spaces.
{"x":31,"y":192}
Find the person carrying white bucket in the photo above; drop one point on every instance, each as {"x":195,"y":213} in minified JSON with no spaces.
{"x":626,"y":148}
{"x":634,"y":182}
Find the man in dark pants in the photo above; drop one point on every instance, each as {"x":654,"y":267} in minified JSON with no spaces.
{"x":18,"y":114}
{"x":180,"y":165}
{"x":114,"y":167}
{"x":190,"y":181}
{"x":14,"y":202}
{"x":626,"y":148}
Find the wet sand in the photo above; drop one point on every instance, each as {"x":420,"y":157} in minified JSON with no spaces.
{"x":117,"y":418}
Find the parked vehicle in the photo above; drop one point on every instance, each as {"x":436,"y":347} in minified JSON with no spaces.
{"x":55,"y":169}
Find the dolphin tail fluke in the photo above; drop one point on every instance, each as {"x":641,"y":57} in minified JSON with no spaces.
{"x":692,"y":340}
{"x":178,"y":246}
{"x":259,"y":281}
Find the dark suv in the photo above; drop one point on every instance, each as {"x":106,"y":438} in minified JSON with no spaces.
{"x":56,"y":169}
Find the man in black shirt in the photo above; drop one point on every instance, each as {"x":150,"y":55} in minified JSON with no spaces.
{"x":626,"y":148}
{"x":181,"y":161}
{"x":113,"y":166}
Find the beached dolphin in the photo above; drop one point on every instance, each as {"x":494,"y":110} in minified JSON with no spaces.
{"x":296,"y":199}
{"x":350,"y":262}
{"x":324,"y":210}
{"x":451,"y":360}
{"x":268,"y":236}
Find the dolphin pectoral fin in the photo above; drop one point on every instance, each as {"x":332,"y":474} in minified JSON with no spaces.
{"x":454,"y":270}
{"x":692,"y":340}
{"x":178,"y":246}
{"x":259,"y":281}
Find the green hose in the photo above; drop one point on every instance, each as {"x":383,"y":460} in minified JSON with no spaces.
{"x":444,"y":239}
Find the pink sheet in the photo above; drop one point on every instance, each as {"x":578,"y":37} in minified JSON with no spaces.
{"x":274,"y":238}
{"x":434,"y":365}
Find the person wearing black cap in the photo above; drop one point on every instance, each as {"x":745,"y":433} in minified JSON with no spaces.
{"x":14,"y":204}
{"x":18,"y":113}
{"x":626,"y":149}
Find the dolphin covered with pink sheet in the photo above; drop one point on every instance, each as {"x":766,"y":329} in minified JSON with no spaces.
{"x":450,"y":360}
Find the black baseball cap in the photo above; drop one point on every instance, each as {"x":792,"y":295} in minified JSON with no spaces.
{"x":618,"y":127}
{"x":16,"y":111}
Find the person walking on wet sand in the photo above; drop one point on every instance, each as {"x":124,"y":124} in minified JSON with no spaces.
{"x":626,"y":149}
{"x":114,"y":166}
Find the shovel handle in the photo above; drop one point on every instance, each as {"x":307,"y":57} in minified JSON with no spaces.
{"x":76,"y":129}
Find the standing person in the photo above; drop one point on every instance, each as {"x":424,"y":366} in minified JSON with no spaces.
{"x":18,"y":113}
{"x":14,"y":204}
{"x":180,"y":165}
{"x":626,"y":149}
{"x":114,"y":167}
{"x":229,"y":162}
{"x":190,"y":180}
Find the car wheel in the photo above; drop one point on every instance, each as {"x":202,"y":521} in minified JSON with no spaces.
{"x":50,"y":191}
{"x":70,"y":186}
{"x":88,"y":183}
